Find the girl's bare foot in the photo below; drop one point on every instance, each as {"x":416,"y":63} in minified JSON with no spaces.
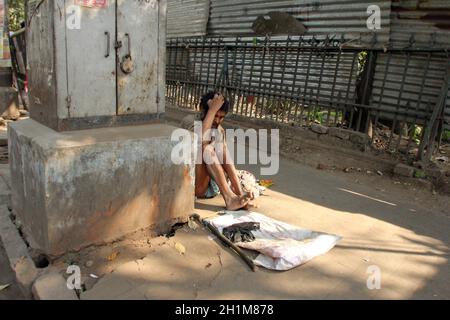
{"x":236,"y":203}
{"x":251,"y":205}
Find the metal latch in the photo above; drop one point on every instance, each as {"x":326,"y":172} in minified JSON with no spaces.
{"x":118,"y":45}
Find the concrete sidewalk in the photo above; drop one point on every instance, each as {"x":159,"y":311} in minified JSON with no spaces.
{"x":7,"y":277}
{"x":404,"y":232}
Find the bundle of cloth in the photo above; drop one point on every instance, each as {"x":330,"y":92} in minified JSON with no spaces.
{"x":249,"y":183}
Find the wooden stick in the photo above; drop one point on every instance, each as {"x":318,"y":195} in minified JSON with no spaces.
{"x":225,"y":241}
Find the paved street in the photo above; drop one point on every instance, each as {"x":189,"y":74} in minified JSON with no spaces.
{"x":382,"y":224}
{"x":6,"y":274}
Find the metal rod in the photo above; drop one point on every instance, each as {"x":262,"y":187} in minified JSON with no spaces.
{"x":250,"y":81}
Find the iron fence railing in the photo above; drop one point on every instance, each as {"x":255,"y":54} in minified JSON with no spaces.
{"x":390,"y":95}
{"x":19,"y":62}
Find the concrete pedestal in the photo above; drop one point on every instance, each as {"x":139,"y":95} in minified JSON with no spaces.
{"x":74,"y":189}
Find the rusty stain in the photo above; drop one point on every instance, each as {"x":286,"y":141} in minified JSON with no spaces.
{"x":122,"y":83}
{"x":155,"y":201}
{"x":187,"y":175}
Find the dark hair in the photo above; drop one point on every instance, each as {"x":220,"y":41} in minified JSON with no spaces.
{"x":209,"y":96}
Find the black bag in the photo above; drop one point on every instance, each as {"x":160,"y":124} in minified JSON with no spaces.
{"x":241,"y":232}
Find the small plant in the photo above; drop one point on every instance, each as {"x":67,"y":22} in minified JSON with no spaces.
{"x":419,"y":174}
{"x":323,"y":116}
{"x":362,"y":59}
{"x":416,"y":134}
{"x":446,"y":136}
{"x":16,"y":12}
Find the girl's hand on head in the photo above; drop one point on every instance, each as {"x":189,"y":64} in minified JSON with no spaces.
{"x":216,"y":103}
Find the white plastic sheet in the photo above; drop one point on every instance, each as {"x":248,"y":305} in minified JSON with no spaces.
{"x":282,"y":246}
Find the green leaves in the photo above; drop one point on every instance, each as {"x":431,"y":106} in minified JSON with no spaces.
{"x":16,"y":13}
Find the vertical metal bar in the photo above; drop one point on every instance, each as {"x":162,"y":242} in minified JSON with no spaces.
{"x":358,"y":124}
{"x":216,"y":71}
{"x":190,"y":72}
{"x":333,"y":88}
{"x":318,"y":106}
{"x":176,"y":72}
{"x":168,"y":53}
{"x":202,"y":60}
{"x":208,"y":72}
{"x":294,"y":80}
{"x":233,"y":73}
{"x":187,"y":81}
{"x":338,"y":106}
{"x":264,"y":100}
{"x":180,"y":76}
{"x":250,"y":84}
{"x":368,"y":86}
{"x":168,"y":66}
{"x":349,"y":85}
{"x":352,"y":113}
{"x":308,"y":68}
{"x":419,"y":100}
{"x":366,"y":127}
{"x":383,"y":86}
{"x":402,"y":85}
{"x":283,"y":73}
{"x":302,"y":107}
{"x":274,"y":53}
{"x":194,"y":60}
{"x":240,"y":86}
{"x":185,"y":64}
{"x":435,"y":122}
{"x":263,"y":61}
{"x":173,"y":71}
{"x":308,"y":116}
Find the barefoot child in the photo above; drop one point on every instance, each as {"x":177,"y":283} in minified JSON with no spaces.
{"x":211,"y":176}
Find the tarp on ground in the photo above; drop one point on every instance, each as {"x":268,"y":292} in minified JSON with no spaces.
{"x":281,"y":246}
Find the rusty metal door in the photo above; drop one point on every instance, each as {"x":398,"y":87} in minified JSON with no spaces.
{"x":138,"y":39}
{"x":91,"y":62}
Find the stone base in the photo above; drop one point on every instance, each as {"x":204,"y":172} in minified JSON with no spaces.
{"x":74,"y":189}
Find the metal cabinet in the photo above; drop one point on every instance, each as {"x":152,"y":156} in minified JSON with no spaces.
{"x":96,"y":63}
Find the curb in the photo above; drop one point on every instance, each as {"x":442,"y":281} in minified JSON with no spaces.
{"x":16,"y":250}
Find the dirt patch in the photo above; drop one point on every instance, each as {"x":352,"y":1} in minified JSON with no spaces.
{"x":97,"y":261}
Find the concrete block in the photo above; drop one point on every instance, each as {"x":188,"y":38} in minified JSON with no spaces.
{"x":3,"y":138}
{"x":318,"y":128}
{"x":79,"y":188}
{"x":4,"y":192}
{"x":52,"y":286}
{"x":404,"y":170}
{"x":339,"y":133}
{"x":17,"y":252}
{"x":434,"y":173}
{"x":359,"y":138}
{"x":9,"y":103}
